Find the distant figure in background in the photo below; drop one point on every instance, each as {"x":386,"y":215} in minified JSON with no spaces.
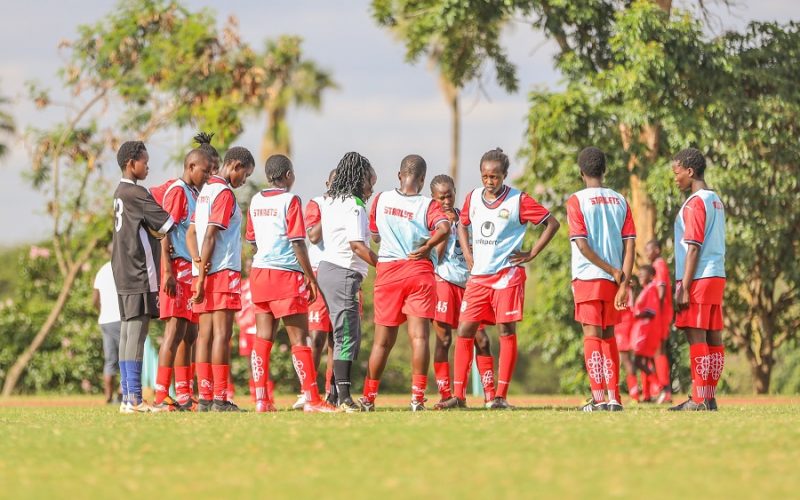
{"x":104,"y":298}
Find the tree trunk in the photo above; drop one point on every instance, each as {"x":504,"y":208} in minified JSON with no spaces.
{"x":451,"y":96}
{"x":666,"y":5}
{"x":15,"y":372}
{"x":276,"y":137}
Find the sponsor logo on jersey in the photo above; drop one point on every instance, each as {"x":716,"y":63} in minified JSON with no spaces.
{"x":487,"y":228}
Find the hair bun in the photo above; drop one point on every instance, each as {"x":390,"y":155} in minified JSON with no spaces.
{"x":498,"y":149}
{"x":203,"y":138}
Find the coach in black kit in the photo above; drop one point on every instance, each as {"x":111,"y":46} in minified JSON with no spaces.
{"x":135,"y":264}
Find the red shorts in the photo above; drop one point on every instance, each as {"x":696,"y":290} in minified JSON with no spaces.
{"x":318,"y":318}
{"x":645,"y":339}
{"x":281,"y":308}
{"x":223,"y":291}
{"x":490,"y":306}
{"x":705,"y":305}
{"x":597,"y":313}
{"x":448,"y":302}
{"x":411,"y":296}
{"x":179,"y":306}
{"x":622,"y":332}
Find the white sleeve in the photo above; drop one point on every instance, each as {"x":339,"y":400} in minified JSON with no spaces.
{"x":356,"y":224}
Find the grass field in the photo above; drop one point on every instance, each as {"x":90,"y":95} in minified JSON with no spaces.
{"x":72,"y":448}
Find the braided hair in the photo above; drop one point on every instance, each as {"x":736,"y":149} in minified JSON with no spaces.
{"x":497,"y":155}
{"x":352,"y":171}
{"x":203,"y":140}
{"x":443,"y":179}
{"x":130,"y":150}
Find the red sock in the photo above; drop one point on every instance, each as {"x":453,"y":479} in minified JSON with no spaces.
{"x":486,"y":371}
{"x":221,"y":374}
{"x":645,"y":386}
{"x":259,"y":366}
{"x":655,"y":385}
{"x":716,"y":356}
{"x":593,"y":357}
{"x":611,"y":365}
{"x":231,"y":388}
{"x":192,"y":373}
{"x":633,"y":386}
{"x":698,"y":357}
{"x":371,"y":389}
{"x":183,"y":379}
{"x":328,"y":377}
{"x":303,"y":362}
{"x":662,"y":371}
{"x":506,"y":363}
{"x":205,"y":381}
{"x":418,"y":385}
{"x":163,"y":378}
{"x":462,"y":360}
{"x":442,"y":371}
{"x":270,"y":391}
{"x":252,"y":386}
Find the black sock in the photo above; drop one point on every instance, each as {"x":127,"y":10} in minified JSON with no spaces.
{"x":341,"y":370}
{"x":333,"y":395}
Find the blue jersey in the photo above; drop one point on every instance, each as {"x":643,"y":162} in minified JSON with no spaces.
{"x":404,"y":223}
{"x":499,"y":227}
{"x":275,"y":219}
{"x":603,"y":218}
{"x":178,"y":237}
{"x":452,"y":267}
{"x":701,"y":221}
{"x":216,"y":205}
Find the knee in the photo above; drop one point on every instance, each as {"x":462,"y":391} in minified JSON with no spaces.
{"x":445,"y":341}
{"x":482,"y":344}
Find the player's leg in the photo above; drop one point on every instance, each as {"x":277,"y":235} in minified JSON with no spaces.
{"x":302,"y":358}
{"x":441,"y":351}
{"x":419,"y":337}
{"x":182,"y":367}
{"x":662,"y":371}
{"x":266,"y":331}
{"x":462,"y":361}
{"x":611,"y":363}
{"x":174,"y":330}
{"x":382,"y":344}
{"x":593,"y":359}
{"x":110,"y":332}
{"x":506,"y":362}
{"x":626,"y":359}
{"x":222,"y":331}
{"x":699,"y":366}
{"x":330,"y":382}
{"x":485,"y":363}
{"x":716,"y":364}
{"x":125,"y":406}
{"x":134,"y":351}
{"x":202,"y":358}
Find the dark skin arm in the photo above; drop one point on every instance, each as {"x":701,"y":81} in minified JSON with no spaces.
{"x":96,"y":299}
{"x":619,"y":275}
{"x":314,"y":233}
{"x":364,"y":252}
{"x":439,"y":237}
{"x":301,"y":252}
{"x":550,"y":229}
{"x":168,"y":285}
{"x":209,"y":242}
{"x":463,"y":239}
{"x":682,"y":291}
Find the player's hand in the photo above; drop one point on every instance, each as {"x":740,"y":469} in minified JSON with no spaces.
{"x":681,"y":297}
{"x":198,"y":291}
{"x":169,"y":286}
{"x":313,"y":289}
{"x":519,"y":257}
{"x":420,"y":253}
{"x":171,"y":250}
{"x":618,"y":276}
{"x":621,"y":298}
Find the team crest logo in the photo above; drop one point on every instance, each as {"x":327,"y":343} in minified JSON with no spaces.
{"x":487,"y":229}
{"x":504,"y":214}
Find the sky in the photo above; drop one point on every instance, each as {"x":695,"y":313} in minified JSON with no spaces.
{"x":384,"y":107}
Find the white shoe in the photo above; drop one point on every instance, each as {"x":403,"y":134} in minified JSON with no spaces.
{"x":300,"y":403}
{"x":126,"y":407}
{"x":141,"y":408}
{"x":418,"y":405}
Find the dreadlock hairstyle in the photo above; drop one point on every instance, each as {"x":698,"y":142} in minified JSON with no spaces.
{"x":592,"y":162}
{"x":443,"y":179}
{"x":691,"y":158}
{"x":276,"y":167}
{"x":130,"y":150}
{"x":497,"y":155}
{"x":351,"y":172}
{"x":240,"y":154}
{"x":203,"y":140}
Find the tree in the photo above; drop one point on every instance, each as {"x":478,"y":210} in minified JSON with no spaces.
{"x":459,"y":39}
{"x":6,"y":124}
{"x":211,"y":80}
{"x":295,"y":81}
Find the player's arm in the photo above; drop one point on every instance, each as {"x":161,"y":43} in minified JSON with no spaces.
{"x":314,"y":233}
{"x":628,"y":254}
{"x":295,"y":230}
{"x":439,"y":237}
{"x":694,"y":214}
{"x":366,"y":254}
{"x":157,"y":221}
{"x":207,"y":250}
{"x":690,"y":266}
{"x":466,"y":249}
{"x":313,"y":220}
{"x":551,"y":226}
{"x":96,"y":299}
{"x":168,"y":280}
{"x":373,"y":220}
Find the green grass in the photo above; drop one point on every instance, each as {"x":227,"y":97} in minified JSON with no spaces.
{"x":746,"y":450}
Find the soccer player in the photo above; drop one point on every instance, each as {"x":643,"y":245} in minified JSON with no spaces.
{"x":602,"y":236}
{"x":176,"y":290}
{"x":216,"y":253}
{"x":666,"y":313}
{"x":137,"y":219}
{"x":496,"y":288}
{"x":319,"y":321}
{"x":344,"y":264}
{"x":408,"y":226}
{"x":104,"y":298}
{"x":451,"y":278}
{"x":646,"y":333}
{"x":699,"y":278}
{"x":622,"y":335}
{"x":282,"y":281}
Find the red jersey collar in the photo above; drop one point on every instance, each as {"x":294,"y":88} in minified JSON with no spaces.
{"x":498,"y":200}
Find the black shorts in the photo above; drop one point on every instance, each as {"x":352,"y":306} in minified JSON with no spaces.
{"x":138,"y":304}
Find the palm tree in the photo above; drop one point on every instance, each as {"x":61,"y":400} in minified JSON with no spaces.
{"x":297,"y":82}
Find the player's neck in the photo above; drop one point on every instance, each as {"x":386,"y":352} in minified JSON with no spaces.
{"x":490,"y":196}
{"x":130,"y":177}
{"x":593,"y":182}
{"x":698,"y":184}
{"x":188,"y":180}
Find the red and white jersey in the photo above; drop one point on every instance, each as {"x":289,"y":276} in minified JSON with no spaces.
{"x":701,"y":222}
{"x":647,"y":301}
{"x":312,"y":217}
{"x":662,"y":279}
{"x":275,"y":219}
{"x":216,"y":206}
{"x":603,"y":218}
{"x":499,"y":227}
